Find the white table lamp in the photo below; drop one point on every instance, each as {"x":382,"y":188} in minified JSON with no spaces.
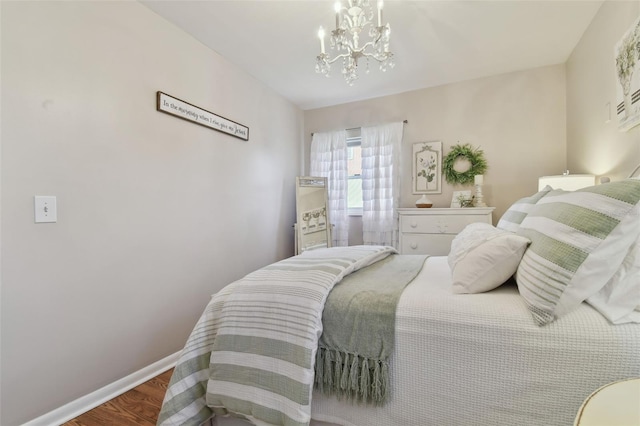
{"x":567,"y":182}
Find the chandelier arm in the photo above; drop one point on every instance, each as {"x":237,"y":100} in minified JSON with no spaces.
{"x":359,"y":52}
{"x":362,"y":49}
{"x":340,"y":56}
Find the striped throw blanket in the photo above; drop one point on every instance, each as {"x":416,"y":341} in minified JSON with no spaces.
{"x":252,"y":352}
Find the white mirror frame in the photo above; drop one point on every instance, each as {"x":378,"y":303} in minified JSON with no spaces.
{"x":313,"y":227}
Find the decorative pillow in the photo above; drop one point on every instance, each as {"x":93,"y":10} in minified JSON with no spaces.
{"x":619,"y":299}
{"x":483,"y":257}
{"x":513,"y":217}
{"x":579,"y":240}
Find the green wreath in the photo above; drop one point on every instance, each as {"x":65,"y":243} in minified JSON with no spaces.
{"x":466,"y":151}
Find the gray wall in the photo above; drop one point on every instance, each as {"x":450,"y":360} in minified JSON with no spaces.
{"x":155,"y":214}
{"x":593,"y":145}
{"x":518,"y":119}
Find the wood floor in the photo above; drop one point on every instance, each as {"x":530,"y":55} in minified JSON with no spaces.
{"x":138,"y":407}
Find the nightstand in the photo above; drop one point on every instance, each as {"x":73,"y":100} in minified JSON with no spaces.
{"x":431,"y":230}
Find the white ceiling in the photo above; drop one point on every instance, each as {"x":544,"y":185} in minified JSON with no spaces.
{"x":434,"y":42}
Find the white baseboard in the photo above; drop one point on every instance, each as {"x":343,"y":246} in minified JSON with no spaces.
{"x":83,"y":404}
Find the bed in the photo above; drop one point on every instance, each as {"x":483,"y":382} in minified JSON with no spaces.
{"x":466,"y":349}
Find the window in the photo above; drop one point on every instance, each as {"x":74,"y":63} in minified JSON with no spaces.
{"x":354,"y":172}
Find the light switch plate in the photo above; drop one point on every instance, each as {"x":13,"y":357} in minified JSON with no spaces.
{"x":45,"y":209}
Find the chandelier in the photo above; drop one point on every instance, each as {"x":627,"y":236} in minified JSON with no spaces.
{"x":351,"y":22}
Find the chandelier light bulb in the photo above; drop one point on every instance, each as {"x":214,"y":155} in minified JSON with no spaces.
{"x":321,"y":37}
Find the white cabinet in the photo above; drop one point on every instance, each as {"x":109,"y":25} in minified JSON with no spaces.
{"x":431,"y":230}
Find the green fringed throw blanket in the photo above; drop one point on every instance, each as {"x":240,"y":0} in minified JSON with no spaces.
{"x":358,"y":335}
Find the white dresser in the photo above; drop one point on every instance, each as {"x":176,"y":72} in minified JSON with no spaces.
{"x":431,"y":230}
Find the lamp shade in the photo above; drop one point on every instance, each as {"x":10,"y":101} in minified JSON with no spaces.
{"x":566,"y":182}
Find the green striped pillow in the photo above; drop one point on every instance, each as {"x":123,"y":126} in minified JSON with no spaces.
{"x":578,"y":241}
{"x":513,"y":217}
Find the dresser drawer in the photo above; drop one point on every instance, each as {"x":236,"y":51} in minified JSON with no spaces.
{"x":433,"y":244}
{"x":431,"y":231}
{"x":439,"y":224}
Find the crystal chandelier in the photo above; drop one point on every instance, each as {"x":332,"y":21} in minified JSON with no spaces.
{"x":351,"y":22}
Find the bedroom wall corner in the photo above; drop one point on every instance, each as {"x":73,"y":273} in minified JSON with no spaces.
{"x":155,"y":213}
{"x":593,"y":144}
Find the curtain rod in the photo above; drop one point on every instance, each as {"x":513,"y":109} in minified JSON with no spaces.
{"x":354,"y":128}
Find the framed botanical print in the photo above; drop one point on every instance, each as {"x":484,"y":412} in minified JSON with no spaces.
{"x":427,"y":167}
{"x":627,"y":52}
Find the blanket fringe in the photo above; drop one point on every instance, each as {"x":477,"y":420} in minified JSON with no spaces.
{"x":351,"y":376}
{"x":318,"y":382}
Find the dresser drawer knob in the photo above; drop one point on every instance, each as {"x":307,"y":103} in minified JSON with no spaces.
{"x":414,"y":225}
{"x":414,"y":245}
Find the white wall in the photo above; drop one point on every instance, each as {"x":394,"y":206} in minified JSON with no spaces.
{"x":154,"y":213}
{"x":594,"y":146}
{"x":518,"y":119}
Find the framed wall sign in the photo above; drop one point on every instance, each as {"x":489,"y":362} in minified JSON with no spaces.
{"x":181,"y":109}
{"x":426,"y":158}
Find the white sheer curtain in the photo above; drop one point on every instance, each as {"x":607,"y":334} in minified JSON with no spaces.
{"x":329,"y":159}
{"x":381,"y":146}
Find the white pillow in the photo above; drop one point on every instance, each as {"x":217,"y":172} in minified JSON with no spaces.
{"x":483,"y":257}
{"x":579,"y":240}
{"x":515,"y":214}
{"x":619,"y":299}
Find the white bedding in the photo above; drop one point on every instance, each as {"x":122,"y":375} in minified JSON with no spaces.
{"x":479,"y":359}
